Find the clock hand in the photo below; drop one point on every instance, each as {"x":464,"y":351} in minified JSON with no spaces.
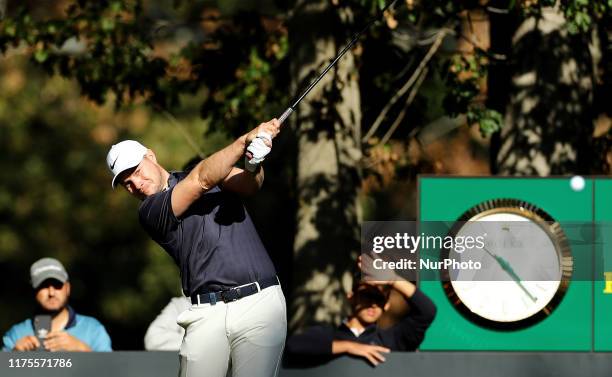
{"x":506,"y":267}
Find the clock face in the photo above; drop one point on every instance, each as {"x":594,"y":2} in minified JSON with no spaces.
{"x":526,"y":265}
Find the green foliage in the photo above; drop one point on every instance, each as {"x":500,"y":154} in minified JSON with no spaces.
{"x":466,"y":75}
{"x":113,"y":50}
{"x":244,"y":85}
{"x":489,"y":121}
{"x":581,"y":15}
{"x":116,"y":54}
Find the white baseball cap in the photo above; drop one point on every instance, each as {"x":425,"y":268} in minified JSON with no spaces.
{"x":124,"y":155}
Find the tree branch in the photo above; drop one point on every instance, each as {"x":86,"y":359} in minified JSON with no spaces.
{"x":402,"y":113}
{"x":183,"y":132}
{"x":415,"y":75}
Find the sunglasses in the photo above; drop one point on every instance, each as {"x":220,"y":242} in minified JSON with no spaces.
{"x":370,"y":297}
{"x":50,"y":283}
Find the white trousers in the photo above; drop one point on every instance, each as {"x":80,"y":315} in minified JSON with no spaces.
{"x":243,"y":338}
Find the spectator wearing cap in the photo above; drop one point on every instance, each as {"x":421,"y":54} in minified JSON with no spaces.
{"x":359,"y":335}
{"x":68,"y":331}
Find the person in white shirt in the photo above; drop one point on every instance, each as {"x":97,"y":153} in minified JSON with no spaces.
{"x":164,"y":334}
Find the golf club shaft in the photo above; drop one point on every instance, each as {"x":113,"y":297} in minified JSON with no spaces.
{"x":355,"y":38}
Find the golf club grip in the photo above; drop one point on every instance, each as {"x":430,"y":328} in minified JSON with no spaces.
{"x":285,"y":115}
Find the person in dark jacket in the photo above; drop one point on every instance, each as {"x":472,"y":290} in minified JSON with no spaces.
{"x":359,"y":335}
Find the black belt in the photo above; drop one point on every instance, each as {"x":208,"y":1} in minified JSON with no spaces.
{"x":233,"y":294}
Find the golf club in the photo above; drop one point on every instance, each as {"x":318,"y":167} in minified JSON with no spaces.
{"x":355,"y":38}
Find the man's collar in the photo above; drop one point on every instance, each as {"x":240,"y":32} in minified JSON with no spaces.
{"x":71,"y":317}
{"x":174,"y":178}
{"x":72,"y":321}
{"x":367,"y":330}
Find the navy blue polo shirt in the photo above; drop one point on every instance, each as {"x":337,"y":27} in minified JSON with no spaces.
{"x":214,"y":242}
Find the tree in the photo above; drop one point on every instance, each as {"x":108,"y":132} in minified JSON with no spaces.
{"x":328,"y":174}
{"x":550,"y":116}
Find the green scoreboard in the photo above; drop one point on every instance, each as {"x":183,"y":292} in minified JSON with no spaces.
{"x":575,"y":317}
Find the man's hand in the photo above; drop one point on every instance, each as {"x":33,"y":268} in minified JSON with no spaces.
{"x":390,"y":278}
{"x":62,"y":341}
{"x":27,"y":343}
{"x":271,"y":128}
{"x":260,"y":145}
{"x":257,"y":151}
{"x":376,"y":277}
{"x":370,"y":352}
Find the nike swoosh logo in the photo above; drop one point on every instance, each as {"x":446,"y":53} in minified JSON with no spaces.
{"x":113,"y":164}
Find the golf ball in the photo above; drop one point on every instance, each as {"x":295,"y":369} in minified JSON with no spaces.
{"x":577,"y":183}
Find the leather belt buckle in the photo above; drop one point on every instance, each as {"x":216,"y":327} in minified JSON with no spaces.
{"x":230,"y":295}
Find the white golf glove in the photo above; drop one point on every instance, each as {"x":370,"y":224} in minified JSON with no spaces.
{"x":259,"y":150}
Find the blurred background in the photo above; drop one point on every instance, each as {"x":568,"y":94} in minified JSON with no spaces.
{"x":516,"y":87}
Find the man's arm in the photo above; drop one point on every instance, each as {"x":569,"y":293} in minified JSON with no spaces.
{"x":422,"y":309}
{"x":62,"y":341}
{"x":319,"y":341}
{"x":370,"y":352}
{"x":406,"y":288}
{"x":8,"y":341}
{"x":215,"y":169}
{"x":101,"y":341}
{"x":243,"y":182}
{"x":409,"y":333}
{"x":16,"y":339}
{"x":27,"y":343}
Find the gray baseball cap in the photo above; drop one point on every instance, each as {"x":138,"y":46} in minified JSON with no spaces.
{"x":47,"y":268}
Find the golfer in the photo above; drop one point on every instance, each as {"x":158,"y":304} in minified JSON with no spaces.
{"x":238,"y":319}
